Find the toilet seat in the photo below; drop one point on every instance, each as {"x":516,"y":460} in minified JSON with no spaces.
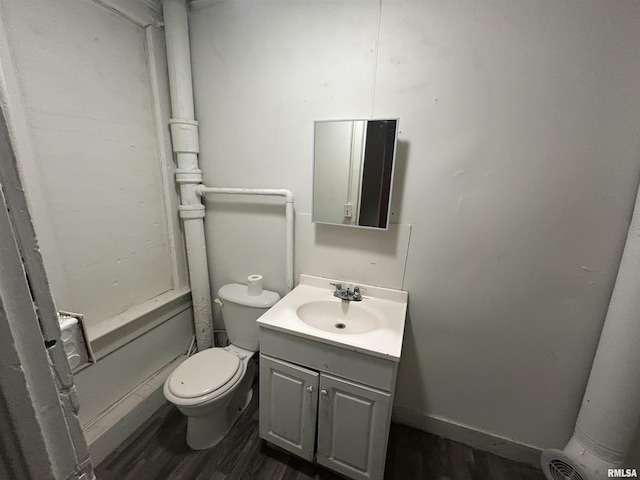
{"x":204,"y":376}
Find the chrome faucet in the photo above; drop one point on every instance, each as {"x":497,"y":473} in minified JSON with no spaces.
{"x":346,"y":294}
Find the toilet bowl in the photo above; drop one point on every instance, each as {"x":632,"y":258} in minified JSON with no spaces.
{"x":213,"y":387}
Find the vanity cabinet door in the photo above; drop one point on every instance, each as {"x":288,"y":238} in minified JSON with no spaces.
{"x":288,"y":406}
{"x":353,"y":425}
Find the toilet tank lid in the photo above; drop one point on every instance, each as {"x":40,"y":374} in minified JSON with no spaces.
{"x":237,"y":293}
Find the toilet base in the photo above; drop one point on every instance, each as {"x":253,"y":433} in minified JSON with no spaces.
{"x":206,"y":431}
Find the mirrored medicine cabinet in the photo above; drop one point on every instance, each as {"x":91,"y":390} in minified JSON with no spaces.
{"x":353,"y":171}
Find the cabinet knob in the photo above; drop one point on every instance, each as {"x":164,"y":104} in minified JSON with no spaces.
{"x":310,"y":389}
{"x":324,"y":393}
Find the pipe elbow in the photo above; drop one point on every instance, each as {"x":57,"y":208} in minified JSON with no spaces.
{"x":288,"y":196}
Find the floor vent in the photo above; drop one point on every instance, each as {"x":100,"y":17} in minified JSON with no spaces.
{"x":563,"y":471}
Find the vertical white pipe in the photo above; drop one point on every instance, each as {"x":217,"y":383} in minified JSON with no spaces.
{"x":611,"y":405}
{"x":184,"y":138}
{"x":199,"y":279}
{"x":289,"y":242}
{"x":610,"y":408}
{"x":176,"y":32}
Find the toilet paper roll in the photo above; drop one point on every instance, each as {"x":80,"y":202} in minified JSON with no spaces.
{"x":254,"y":285}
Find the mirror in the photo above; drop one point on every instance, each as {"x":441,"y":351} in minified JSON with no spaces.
{"x":353,"y":171}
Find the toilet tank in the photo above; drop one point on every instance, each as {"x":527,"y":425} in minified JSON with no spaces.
{"x":241,"y":310}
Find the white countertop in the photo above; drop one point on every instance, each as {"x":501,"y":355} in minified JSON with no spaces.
{"x":387,"y":305}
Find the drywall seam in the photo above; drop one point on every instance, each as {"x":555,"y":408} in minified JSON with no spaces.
{"x":406,"y":256}
{"x":375,"y":59}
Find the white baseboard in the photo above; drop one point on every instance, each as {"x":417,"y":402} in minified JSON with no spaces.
{"x":482,"y":440}
{"x":112,"y":427}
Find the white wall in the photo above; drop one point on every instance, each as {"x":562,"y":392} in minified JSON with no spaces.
{"x":517,"y":169}
{"x":85,"y":86}
{"x":85,"y":92}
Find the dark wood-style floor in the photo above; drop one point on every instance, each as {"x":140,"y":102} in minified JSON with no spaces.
{"x":157,"y":450}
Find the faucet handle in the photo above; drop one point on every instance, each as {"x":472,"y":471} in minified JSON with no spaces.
{"x":338,"y":292}
{"x":356,"y":294}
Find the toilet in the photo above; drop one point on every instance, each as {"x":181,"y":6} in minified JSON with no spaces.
{"x":213,"y":387}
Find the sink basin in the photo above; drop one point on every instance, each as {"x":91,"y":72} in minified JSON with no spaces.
{"x":373,"y":326}
{"x":337,"y":316}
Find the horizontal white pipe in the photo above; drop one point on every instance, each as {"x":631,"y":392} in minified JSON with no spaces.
{"x":275,"y":192}
{"x":279,"y":192}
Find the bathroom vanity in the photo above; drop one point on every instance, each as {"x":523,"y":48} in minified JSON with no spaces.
{"x":327,"y":374}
